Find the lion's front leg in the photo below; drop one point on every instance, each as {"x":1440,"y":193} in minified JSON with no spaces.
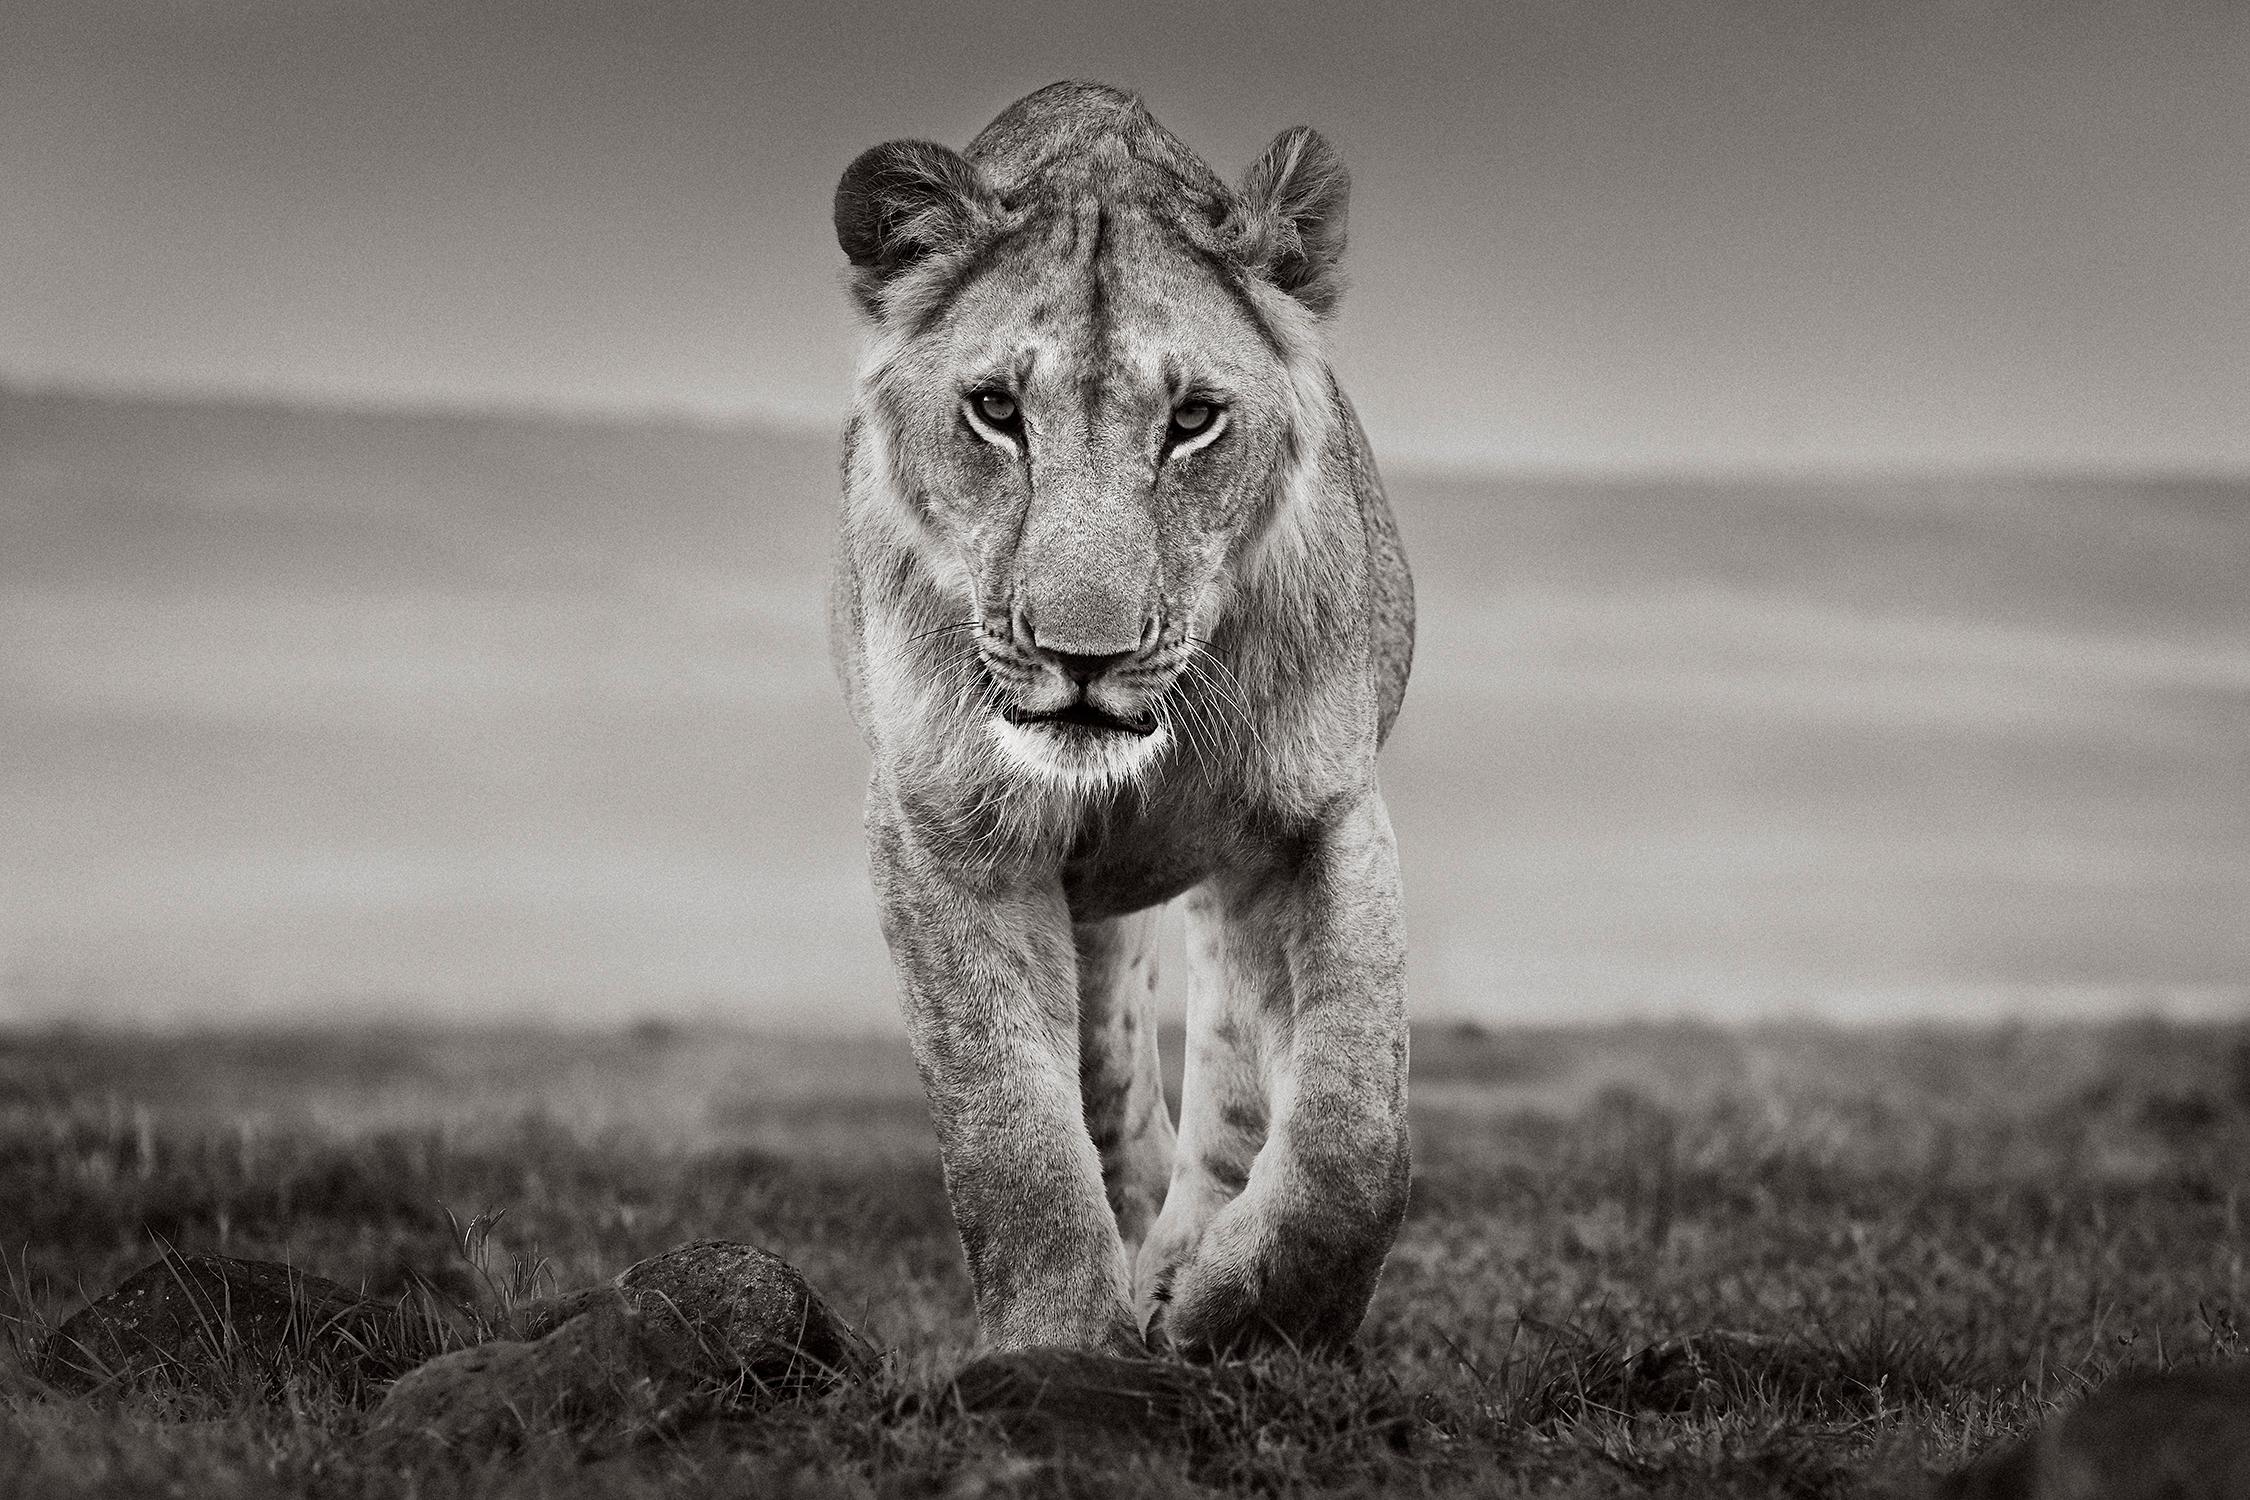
{"x":991,"y":993}
{"x":1314,"y":939}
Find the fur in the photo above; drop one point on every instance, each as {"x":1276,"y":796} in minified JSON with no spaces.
{"x":1019,"y":495}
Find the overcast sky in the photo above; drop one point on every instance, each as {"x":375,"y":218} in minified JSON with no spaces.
{"x":1709,"y":234}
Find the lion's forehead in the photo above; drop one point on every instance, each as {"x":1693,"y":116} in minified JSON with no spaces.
{"x":1102,"y":286}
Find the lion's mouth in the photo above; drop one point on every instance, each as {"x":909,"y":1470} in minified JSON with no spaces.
{"x":1083,"y":715}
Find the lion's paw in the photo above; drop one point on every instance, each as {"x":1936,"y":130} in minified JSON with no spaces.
{"x":1170,"y":1247}
{"x":1256,"y":1281}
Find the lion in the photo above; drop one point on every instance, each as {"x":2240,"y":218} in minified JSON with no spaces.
{"x":1122,"y":614}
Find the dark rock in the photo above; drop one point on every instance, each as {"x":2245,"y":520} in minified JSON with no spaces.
{"x":1063,"y":1396}
{"x":707,"y":1328}
{"x":593,"y":1379}
{"x":216,"y":1326}
{"x":2180,"y":1435}
{"x":736,"y":1309}
{"x":733,"y":1307}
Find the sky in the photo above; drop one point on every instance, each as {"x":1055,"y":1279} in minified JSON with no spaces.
{"x":1708,"y":236}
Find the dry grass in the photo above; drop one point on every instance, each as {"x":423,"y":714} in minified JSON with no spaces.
{"x":1659,"y":1260}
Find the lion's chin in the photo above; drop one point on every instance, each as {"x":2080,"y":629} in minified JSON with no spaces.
{"x":1062,"y":752}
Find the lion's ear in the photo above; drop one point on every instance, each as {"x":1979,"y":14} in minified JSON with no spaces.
{"x":899,"y":202}
{"x":1291,"y":223}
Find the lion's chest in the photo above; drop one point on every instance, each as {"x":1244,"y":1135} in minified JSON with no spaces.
{"x":1141,"y":859}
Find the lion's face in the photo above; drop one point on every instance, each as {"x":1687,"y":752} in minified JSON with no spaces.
{"x":1087,"y":406}
{"x":1087,"y":446}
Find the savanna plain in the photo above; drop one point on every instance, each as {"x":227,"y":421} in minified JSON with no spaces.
{"x":1663,"y":1259}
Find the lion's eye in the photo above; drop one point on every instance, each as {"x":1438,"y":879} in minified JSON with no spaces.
{"x":1191,"y":417}
{"x":997,"y":407}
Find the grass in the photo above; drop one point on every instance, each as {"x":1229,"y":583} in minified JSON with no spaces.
{"x":1660,"y":1260}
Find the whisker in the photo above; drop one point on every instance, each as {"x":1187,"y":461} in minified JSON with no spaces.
{"x":958,"y":625}
{"x":1212,"y":734}
{"x":1204,"y":730}
{"x":1207,"y":669}
{"x":1231,"y":688}
{"x":1176,"y":723}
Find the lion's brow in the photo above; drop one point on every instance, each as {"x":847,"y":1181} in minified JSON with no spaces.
{"x":972,"y":264}
{"x":1229,"y":276}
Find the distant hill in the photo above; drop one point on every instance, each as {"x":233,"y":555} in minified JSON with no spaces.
{"x":306,"y":709}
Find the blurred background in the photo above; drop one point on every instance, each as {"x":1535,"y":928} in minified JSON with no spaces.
{"x":1822,"y":435}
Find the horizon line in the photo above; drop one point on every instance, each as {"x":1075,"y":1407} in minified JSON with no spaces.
{"x":1395,"y":456}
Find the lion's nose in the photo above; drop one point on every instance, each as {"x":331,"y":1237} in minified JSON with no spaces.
{"x":1083,"y":667}
{"x":1080,"y":655}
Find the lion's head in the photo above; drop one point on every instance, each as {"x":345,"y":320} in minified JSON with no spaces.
{"x":1095,"y":376}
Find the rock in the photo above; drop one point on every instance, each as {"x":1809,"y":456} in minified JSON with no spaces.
{"x":593,"y":1379}
{"x":705,"y":1328}
{"x":210,"y":1324}
{"x":738,"y":1308}
{"x":2180,"y":1435}
{"x":745,"y":1311}
{"x":1064,"y":1396}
